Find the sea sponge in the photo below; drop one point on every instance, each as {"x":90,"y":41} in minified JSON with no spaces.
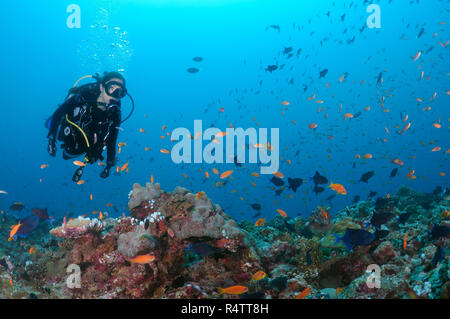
{"x":340,"y":226}
{"x":139,"y":194}
{"x":132,"y":243}
{"x":74,"y":228}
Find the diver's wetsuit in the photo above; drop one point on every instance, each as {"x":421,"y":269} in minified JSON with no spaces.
{"x":99,"y":126}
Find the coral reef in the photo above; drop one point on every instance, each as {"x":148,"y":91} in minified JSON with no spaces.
{"x":179,"y":245}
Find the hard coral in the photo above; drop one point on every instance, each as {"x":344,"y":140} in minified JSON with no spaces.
{"x":73,"y":229}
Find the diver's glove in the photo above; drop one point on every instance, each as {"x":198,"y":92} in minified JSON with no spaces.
{"x":105,"y":172}
{"x":51,"y":147}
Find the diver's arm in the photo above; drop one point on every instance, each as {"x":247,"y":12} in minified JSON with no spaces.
{"x":111,"y":146}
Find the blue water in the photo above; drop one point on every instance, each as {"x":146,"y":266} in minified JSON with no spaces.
{"x":41,"y":58}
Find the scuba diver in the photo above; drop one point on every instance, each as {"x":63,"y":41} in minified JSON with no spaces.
{"x":89,"y":121}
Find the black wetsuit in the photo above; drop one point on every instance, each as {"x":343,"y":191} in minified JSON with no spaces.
{"x":100,"y":127}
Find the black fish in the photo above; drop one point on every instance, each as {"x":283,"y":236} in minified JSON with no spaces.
{"x":366,"y":176}
{"x":276,"y":27}
{"x":203,"y":249}
{"x":438,"y":256}
{"x":294,"y":183}
{"x":402,"y":218}
{"x":355,"y":237}
{"x":271,"y":68}
{"x":197,"y":59}
{"x":279,"y":191}
{"x":147,"y":224}
{"x":381,"y":233}
{"x":256,"y":206}
{"x":308,"y":257}
{"x":393,"y":172}
{"x":380,"y":78}
{"x":372,"y":193}
{"x":356,"y":198}
{"x":28,"y":225}
{"x":379,"y":219}
{"x":277,"y":181}
{"x":323,"y":73}
{"x":440,"y":231}
{"x":287,"y":50}
{"x":319,"y":179}
{"x":318,"y":190}
{"x":17,"y":207}
{"x":193,"y":70}
{"x":357,"y":114}
{"x":298,"y":52}
{"x":420,"y":33}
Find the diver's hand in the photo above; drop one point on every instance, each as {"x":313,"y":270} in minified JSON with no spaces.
{"x":105,"y":172}
{"x":51,"y":147}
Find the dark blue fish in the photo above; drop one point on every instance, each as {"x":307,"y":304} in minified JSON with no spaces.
{"x":287,"y":50}
{"x":28,"y":225}
{"x":323,"y":73}
{"x":256,"y":206}
{"x":394,"y":172}
{"x":277,"y":181}
{"x":366,"y":176}
{"x":294,"y":183}
{"x":379,"y":219}
{"x":308,"y":257}
{"x":380,"y":78}
{"x":319,"y":179}
{"x":203,"y":249}
{"x":318,"y":189}
{"x":420,"y":32}
{"x":271,"y":68}
{"x":355,"y":237}
{"x":193,"y":70}
{"x":197,"y":59}
{"x":440,"y":231}
{"x":438,"y":256}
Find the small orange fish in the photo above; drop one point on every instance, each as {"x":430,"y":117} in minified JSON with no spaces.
{"x":338,"y":188}
{"x":386,"y":129}
{"x":323,"y":213}
{"x":200,"y":194}
{"x":141,"y":130}
{"x":79,"y":163}
{"x":124,"y":167}
{"x":437,"y":125}
{"x":226,"y":174}
{"x":260,"y":222}
{"x":170,"y":232}
{"x":436,"y":149}
{"x":206,"y":174}
{"x":367,"y":156}
{"x":405,"y":241}
{"x":348,"y":115}
{"x":255,"y":174}
{"x":258,"y":275}
{"x":215,"y":171}
{"x":397,"y":161}
{"x":285,"y":103}
{"x":312,"y":126}
{"x":367,"y":108}
{"x":90,"y":196}
{"x":142,"y":259}
{"x":44,"y":166}
{"x":410,"y":173}
{"x":233,"y":290}
{"x":80,"y":182}
{"x":418,"y":54}
{"x":312,"y":97}
{"x":109,"y":204}
{"x":32,"y":250}
{"x":164,"y":151}
{"x":14,"y":230}
{"x":147,"y":149}
{"x":151,"y":179}
{"x":100,"y":215}
{"x":304,"y":293}
{"x":278,"y":174}
{"x":282,"y":213}
{"x":222,"y":109}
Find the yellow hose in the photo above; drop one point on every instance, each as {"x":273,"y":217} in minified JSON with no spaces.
{"x":86,"y":139}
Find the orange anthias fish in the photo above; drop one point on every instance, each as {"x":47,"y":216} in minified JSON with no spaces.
{"x":143,"y":259}
{"x":282,"y":213}
{"x":200,"y":194}
{"x":79,"y":163}
{"x":397,"y":161}
{"x":338,"y":188}
{"x":259,"y":275}
{"x":124,"y":167}
{"x":323,"y":213}
{"x":32,"y":250}
{"x":312,"y":126}
{"x":164,"y":151}
{"x":14,"y":230}
{"x":215,"y":171}
{"x":226,"y":174}
{"x":278,"y":174}
{"x":348,"y":115}
{"x":405,"y":241}
{"x":80,"y":182}
{"x":260,"y":222}
{"x":367,"y":156}
{"x":233,"y":290}
{"x":285,"y":103}
{"x":44,"y":166}
{"x":436,"y":149}
{"x":304,"y":293}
